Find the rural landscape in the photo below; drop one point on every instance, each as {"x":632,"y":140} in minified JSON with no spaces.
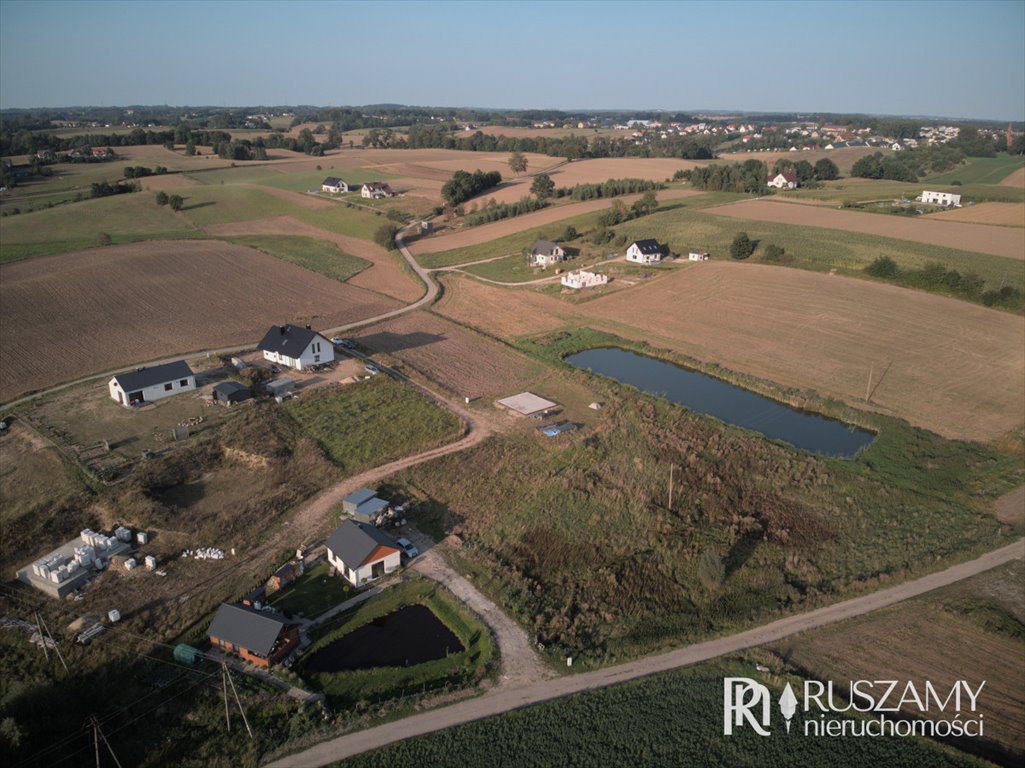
{"x":364,"y":435}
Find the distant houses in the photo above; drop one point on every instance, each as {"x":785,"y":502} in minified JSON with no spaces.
{"x":375,"y":190}
{"x":697,"y":256}
{"x":361,"y":553}
{"x":783,"y":181}
{"x":645,"y":252}
{"x":545,"y":253}
{"x":581,"y":279}
{"x":254,"y":636}
{"x":144,"y":385}
{"x":948,"y":199}
{"x":334,"y":185}
{"x":296,"y":346}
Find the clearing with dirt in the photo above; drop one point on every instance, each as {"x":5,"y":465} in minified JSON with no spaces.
{"x":99,"y":309}
{"x":387,"y":276}
{"x":947,"y":365}
{"x":978,"y":238}
{"x":1001,"y":214}
{"x":488,"y":232}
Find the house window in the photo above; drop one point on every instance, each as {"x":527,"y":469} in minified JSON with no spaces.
{"x":183,"y":383}
{"x":316,"y":358}
{"x":168,"y":386}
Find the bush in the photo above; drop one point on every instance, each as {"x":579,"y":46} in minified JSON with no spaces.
{"x":176,"y":202}
{"x":773,"y":252}
{"x":103,"y":239}
{"x":569,"y":233}
{"x":884,"y":267}
{"x":385,"y":236}
{"x":742,"y":246}
{"x":162,"y":198}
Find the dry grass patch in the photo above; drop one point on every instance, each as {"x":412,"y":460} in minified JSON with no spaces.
{"x":979,"y":238}
{"x":1016,"y":179}
{"x":99,"y":309}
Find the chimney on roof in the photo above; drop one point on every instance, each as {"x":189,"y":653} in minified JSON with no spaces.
{"x":308,"y":327}
{"x":282,"y":327}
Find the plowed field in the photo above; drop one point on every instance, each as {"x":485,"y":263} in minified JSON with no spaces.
{"x":71,"y":315}
{"x":1002,"y":214}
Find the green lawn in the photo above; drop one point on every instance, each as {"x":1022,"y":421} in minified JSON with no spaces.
{"x":126,"y":218}
{"x":316,"y":255}
{"x":860,"y":190}
{"x":313,"y":593}
{"x":665,"y":721}
{"x":981,"y":170}
{"x":372,"y":422}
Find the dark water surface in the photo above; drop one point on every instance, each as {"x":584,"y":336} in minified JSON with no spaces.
{"x":726,"y":402}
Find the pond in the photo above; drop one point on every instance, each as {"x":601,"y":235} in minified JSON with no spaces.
{"x":403,"y":638}
{"x":726,"y":402}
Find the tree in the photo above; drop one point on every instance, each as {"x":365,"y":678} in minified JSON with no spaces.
{"x":773,"y":252}
{"x":162,"y":198}
{"x":385,"y":235}
{"x":176,"y":202}
{"x":884,"y":267}
{"x":826,"y":170}
{"x":518,"y":163}
{"x":190,"y":148}
{"x":569,"y":233}
{"x":543,"y":186}
{"x":742,"y":246}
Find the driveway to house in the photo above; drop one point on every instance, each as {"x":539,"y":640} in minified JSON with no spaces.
{"x":505,"y":698}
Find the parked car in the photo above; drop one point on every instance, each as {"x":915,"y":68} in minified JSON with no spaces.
{"x":339,"y":341}
{"x":275,"y":369}
{"x":372,"y":369}
{"x":408,"y":548}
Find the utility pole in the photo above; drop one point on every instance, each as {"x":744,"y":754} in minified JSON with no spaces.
{"x":868,"y":387}
{"x":97,"y":735}
{"x":671,"y":467}
{"x":224,"y":686}
{"x":42,"y":638}
{"x":238,"y":701}
{"x":56,"y":647}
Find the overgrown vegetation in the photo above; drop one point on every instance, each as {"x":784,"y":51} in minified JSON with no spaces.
{"x":493,"y":211}
{"x":935,"y":277}
{"x":462,"y":186}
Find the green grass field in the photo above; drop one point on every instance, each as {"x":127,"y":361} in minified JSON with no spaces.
{"x":372,"y":422}
{"x":126,"y":218}
{"x":981,"y":170}
{"x":313,"y":593}
{"x":267,"y":175}
{"x":307,"y":252}
{"x":666,"y":721}
{"x":861,"y":190}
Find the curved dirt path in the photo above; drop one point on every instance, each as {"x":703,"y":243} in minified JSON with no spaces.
{"x":504,"y":699}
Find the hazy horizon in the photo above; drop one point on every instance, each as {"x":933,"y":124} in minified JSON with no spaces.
{"x":872,"y":58}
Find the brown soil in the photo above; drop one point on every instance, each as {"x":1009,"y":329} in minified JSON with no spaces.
{"x":488,"y":232}
{"x":1002,"y":214}
{"x":950,"y":366}
{"x":70,"y":315}
{"x":386,"y":276}
{"x":978,"y":238}
{"x":1016,"y":179}
{"x":1010,"y":508}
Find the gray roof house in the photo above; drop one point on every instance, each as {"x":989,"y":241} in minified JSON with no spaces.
{"x":362,"y":553}
{"x":231,"y":392}
{"x":254,"y":635}
{"x":363,"y":504}
{"x":545,"y":253}
{"x":334,"y":184}
{"x":645,"y":251}
{"x":296,"y":346}
{"x":147,"y":384}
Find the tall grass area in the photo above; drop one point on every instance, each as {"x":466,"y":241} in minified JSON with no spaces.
{"x":981,"y":170}
{"x":365,"y":686}
{"x":576,"y":538}
{"x":669,"y":720}
{"x":310,"y":253}
{"x":126,"y":218}
{"x":372,"y":422}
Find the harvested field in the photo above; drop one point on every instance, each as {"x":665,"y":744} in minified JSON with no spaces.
{"x":999,"y":214}
{"x":462,"y":361}
{"x":488,"y":232}
{"x":999,"y":241}
{"x":100,"y":309}
{"x":844,"y":157}
{"x":167,"y":181}
{"x":296,"y":198}
{"x":1016,"y":179}
{"x":946,"y":365}
{"x":386,"y":276}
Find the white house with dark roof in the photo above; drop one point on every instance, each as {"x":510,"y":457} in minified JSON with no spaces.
{"x":783,"y":180}
{"x":645,"y":252}
{"x":375,"y":190}
{"x":144,"y":385}
{"x":545,"y":253}
{"x":334,"y":185}
{"x":296,"y":346}
{"x":361,"y":553}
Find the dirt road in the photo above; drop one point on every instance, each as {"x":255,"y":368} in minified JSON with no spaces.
{"x":504,"y":699}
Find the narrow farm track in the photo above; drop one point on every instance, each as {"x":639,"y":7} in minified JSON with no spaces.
{"x":506,"y":698}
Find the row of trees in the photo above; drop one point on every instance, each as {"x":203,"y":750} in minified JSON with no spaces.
{"x":748,"y":176}
{"x":176,"y":202}
{"x":105,"y":189}
{"x":617,"y":213}
{"x":824,"y":170}
{"x":936,"y":277}
{"x":495,"y":211}
{"x":609,"y":188}
{"x":141,"y":171}
{"x":462,"y":186}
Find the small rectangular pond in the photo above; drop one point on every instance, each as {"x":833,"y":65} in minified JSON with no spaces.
{"x":726,"y":402}
{"x":403,"y":638}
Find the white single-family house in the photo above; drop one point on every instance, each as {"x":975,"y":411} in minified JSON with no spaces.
{"x":296,"y":347}
{"x":545,"y":253}
{"x":783,"y":181}
{"x":362,"y":553}
{"x":144,"y":385}
{"x":582,"y":279}
{"x":375,"y":190}
{"x":334,"y":185}
{"x":948,"y":199}
{"x":645,"y":252}
{"x":698,"y":256}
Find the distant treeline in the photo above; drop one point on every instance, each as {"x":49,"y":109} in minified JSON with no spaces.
{"x":609,"y":188}
{"x":748,"y":176}
{"x":910,"y":164}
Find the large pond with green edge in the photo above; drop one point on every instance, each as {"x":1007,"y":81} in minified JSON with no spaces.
{"x":726,"y":402}
{"x":402,"y":638}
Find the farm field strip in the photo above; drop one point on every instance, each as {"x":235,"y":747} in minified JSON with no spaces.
{"x":996,"y":214}
{"x":165,"y":298}
{"x":1016,"y":179}
{"x":998,"y":241}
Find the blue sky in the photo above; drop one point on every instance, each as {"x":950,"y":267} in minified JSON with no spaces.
{"x":953,"y":59}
